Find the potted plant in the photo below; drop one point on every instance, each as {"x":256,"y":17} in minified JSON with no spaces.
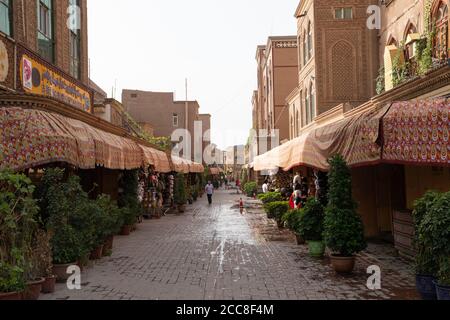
{"x":99,"y":217}
{"x":436,"y":226}
{"x":292,"y":219}
{"x":276,"y":210}
{"x":113,"y":224}
{"x":129,"y":199}
{"x":12,"y":282}
{"x":62,"y":206}
{"x":426,"y":260}
{"x":344,"y":230}
{"x":251,"y":189}
{"x":270,"y":197}
{"x":311,"y":225}
{"x":128,"y":218}
{"x":443,"y":281}
{"x":18,"y":211}
{"x":46,"y":264}
{"x":40,"y":267}
{"x":180,"y":193}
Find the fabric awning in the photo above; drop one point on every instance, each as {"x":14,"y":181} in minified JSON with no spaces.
{"x":354,"y":137}
{"x":214,"y":171}
{"x":156,"y":158}
{"x":32,"y":138}
{"x":274,"y":159}
{"x":181,"y":165}
{"x":417,"y":132}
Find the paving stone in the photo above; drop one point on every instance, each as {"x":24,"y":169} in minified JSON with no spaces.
{"x":217,"y":253}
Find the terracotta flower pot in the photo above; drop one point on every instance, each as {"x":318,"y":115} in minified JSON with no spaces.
{"x":10,"y":296}
{"x":343,"y":264}
{"x":126,"y":231}
{"x":300,"y":240}
{"x":97,"y":253}
{"x":33,"y":289}
{"x":181,"y":208}
{"x":49,"y":285}
{"x":109,"y":243}
{"x":60,"y":271}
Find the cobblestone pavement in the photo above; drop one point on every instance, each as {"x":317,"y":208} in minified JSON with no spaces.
{"x":217,"y":253}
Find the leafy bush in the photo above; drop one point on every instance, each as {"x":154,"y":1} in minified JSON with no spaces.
{"x":129,"y":199}
{"x":311,"y":224}
{"x":68,"y":220}
{"x":180,"y":195}
{"x":344,"y":230}
{"x":114,"y":218}
{"x":433,"y":234}
{"x":276,"y":210}
{"x":426,"y":262}
{"x":251,"y":188}
{"x":292,"y":219}
{"x":18,"y":223}
{"x":444,"y":272}
{"x":270,"y":197}
{"x":11,"y":278}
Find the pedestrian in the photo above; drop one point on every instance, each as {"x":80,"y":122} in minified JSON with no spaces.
{"x":238,"y":185}
{"x":241,"y":205}
{"x":209,"y":189}
{"x":297,"y":180}
{"x":265,"y":187}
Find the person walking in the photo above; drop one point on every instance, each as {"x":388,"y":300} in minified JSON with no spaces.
{"x":209,"y":189}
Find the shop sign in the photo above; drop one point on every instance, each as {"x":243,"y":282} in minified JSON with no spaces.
{"x":38,"y":79}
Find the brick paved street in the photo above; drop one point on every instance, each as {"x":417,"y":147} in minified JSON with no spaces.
{"x":216,"y":253}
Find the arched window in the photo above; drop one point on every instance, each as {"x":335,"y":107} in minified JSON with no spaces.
{"x":440,"y":26}
{"x":305,"y":49}
{"x":312,"y":102}
{"x":307,"y":106}
{"x":310,"y":41}
{"x":302,"y":109}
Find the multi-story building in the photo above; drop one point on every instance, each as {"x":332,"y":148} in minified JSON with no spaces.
{"x":165,"y":115}
{"x":337,"y":56}
{"x":48,"y":39}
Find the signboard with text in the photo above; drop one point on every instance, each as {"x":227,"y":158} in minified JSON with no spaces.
{"x":37,"y":78}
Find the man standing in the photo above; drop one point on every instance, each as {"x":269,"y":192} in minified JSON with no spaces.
{"x":209,"y":189}
{"x":265,"y":187}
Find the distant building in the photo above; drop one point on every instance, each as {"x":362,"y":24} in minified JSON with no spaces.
{"x":160,"y":111}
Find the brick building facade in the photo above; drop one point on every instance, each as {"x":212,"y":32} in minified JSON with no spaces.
{"x":164,"y":114}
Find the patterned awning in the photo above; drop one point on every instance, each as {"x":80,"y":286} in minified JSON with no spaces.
{"x":31,"y":138}
{"x":417,"y":132}
{"x":181,"y":165}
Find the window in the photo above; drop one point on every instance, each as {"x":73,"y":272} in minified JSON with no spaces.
{"x":310,"y":42}
{"x":343,"y":13}
{"x":134,"y":95}
{"x":75,"y":48}
{"x":305,"y":49}
{"x":297,"y":122}
{"x":175,"y":120}
{"x":440,"y":25}
{"x":312,"y":102}
{"x":5,"y":16}
{"x":307,"y":106}
{"x":45,"y":32}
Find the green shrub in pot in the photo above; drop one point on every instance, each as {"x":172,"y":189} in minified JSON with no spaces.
{"x":292,"y":219}
{"x":344,"y":229}
{"x":114,"y":219}
{"x":311,"y":223}
{"x":180,"y":195}
{"x":18,"y":212}
{"x":250,"y":189}
{"x":426,"y":261}
{"x":276,"y":210}
{"x":270,"y":197}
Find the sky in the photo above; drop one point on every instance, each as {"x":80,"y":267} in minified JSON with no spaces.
{"x":154,"y":45}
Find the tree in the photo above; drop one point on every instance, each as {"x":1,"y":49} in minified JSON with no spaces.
{"x":344,"y":230}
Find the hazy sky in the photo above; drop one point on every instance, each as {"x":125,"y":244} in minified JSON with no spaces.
{"x":154,"y":45}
